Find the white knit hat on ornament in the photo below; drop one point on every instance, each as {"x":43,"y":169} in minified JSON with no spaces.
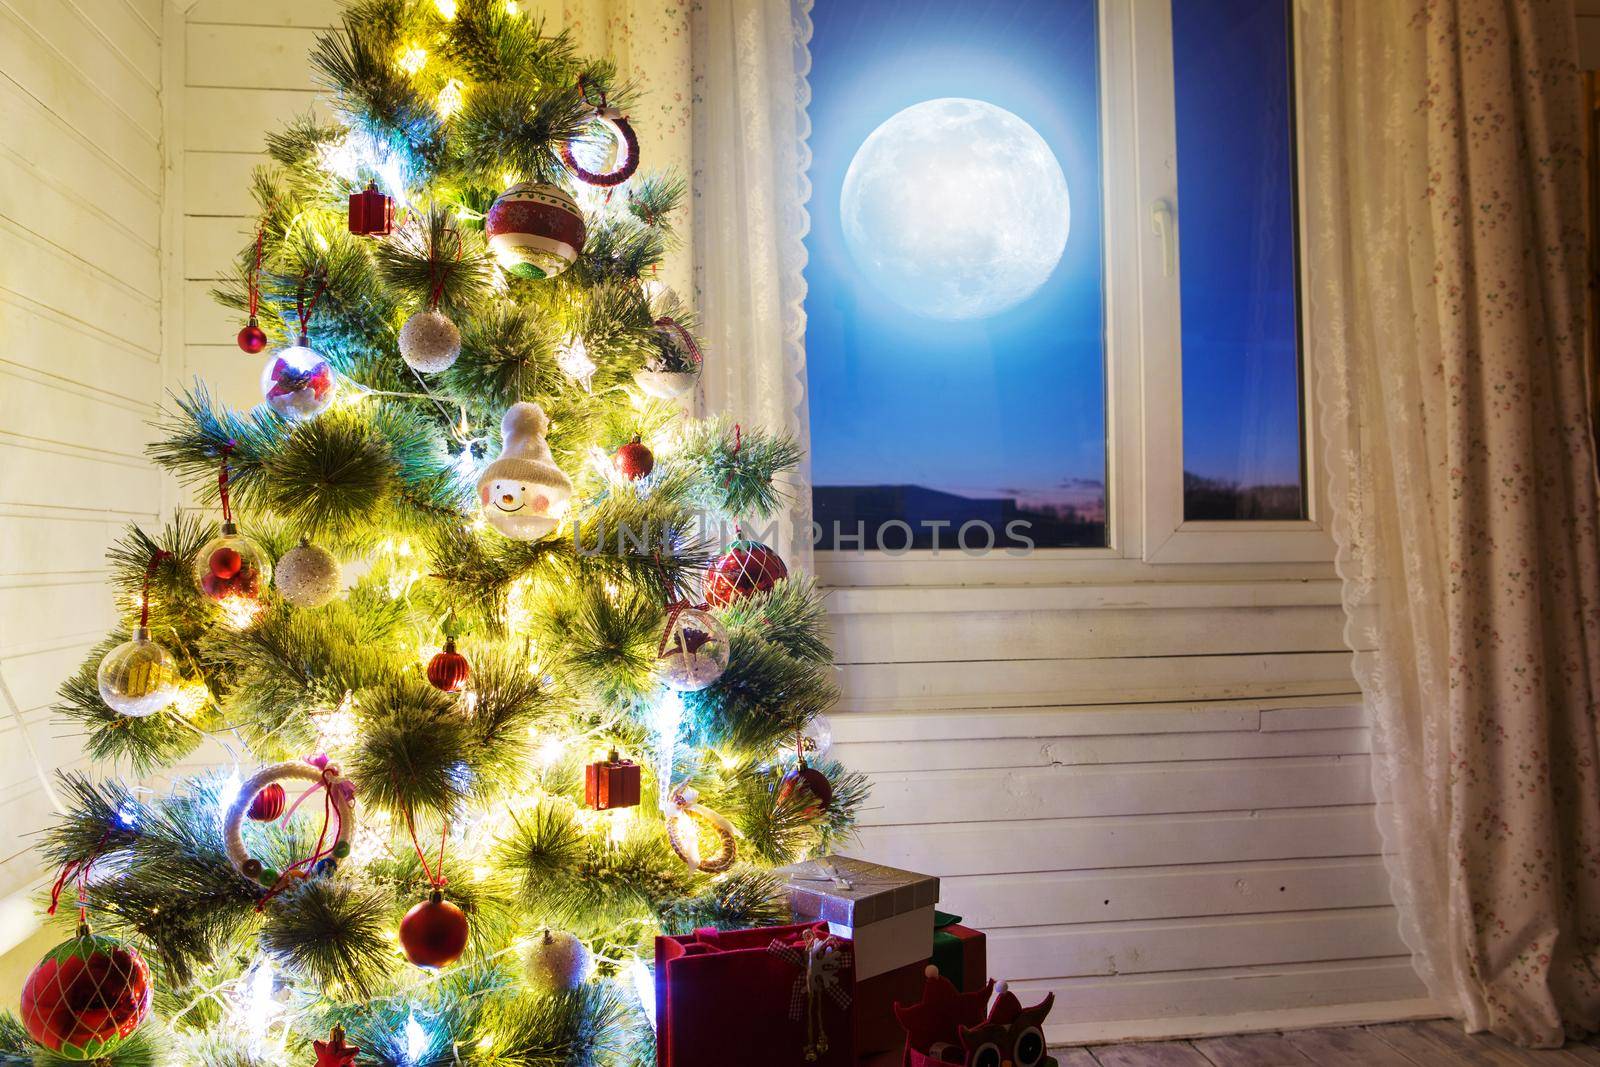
{"x":523,"y":492}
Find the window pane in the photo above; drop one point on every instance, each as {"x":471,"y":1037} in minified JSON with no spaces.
{"x":954,"y":314}
{"x":1242,"y":456}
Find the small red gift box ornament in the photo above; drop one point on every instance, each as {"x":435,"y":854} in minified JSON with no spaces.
{"x":612,"y":783}
{"x":371,"y":212}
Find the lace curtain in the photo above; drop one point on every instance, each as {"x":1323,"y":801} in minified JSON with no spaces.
{"x":1446,"y":290}
{"x":750,"y":190}
{"x":724,"y":104}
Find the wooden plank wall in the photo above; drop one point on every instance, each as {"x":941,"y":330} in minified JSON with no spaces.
{"x":81,"y":358}
{"x":245,"y":73}
{"x":1154,"y":796}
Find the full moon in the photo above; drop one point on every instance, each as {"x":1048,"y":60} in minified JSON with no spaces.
{"x":955,"y":209}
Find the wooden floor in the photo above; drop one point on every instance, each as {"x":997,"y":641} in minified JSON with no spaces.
{"x":1427,"y":1044}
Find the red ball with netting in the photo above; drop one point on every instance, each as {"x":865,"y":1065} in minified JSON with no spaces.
{"x":86,"y":996}
{"x":747,"y":567}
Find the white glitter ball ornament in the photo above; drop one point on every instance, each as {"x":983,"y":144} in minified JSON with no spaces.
{"x":309,"y":576}
{"x":429,"y":342}
{"x":557,"y":960}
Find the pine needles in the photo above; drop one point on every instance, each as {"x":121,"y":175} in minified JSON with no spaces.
{"x":442,"y":105}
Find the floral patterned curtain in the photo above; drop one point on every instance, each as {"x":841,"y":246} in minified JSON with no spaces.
{"x":1447,"y":305}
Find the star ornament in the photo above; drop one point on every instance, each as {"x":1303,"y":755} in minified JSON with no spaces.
{"x":335,"y":1052}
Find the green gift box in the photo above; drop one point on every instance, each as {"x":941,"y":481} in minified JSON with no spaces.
{"x":959,"y":952}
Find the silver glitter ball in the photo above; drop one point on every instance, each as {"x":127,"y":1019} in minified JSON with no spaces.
{"x":309,"y":576}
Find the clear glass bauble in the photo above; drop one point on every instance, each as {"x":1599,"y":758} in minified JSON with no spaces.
{"x":138,"y":677}
{"x":816,"y":738}
{"x":694,"y":651}
{"x":297,"y":383}
{"x":234,"y":573}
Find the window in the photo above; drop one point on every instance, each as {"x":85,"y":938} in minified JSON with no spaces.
{"x":1241,"y":341}
{"x":1052,"y":286}
{"x":955,"y":325}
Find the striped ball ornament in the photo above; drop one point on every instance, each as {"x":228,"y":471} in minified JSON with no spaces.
{"x":449,"y":670}
{"x":269,"y":803}
{"x":535,"y":231}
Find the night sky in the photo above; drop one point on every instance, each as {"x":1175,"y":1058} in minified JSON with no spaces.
{"x":1014,"y":405}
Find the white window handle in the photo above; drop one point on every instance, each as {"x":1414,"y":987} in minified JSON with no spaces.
{"x":1163,"y":225}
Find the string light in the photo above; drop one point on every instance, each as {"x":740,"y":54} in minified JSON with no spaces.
{"x":230,"y":789}
{"x":551,"y":751}
{"x":336,"y":727}
{"x":573,"y":359}
{"x":418,"y":1040}
{"x":411,"y":60}
{"x":644,"y":984}
{"x":239,"y":612}
{"x":192,"y":697}
{"x":449,"y":98}
{"x":447,"y":9}
{"x":257,"y":1005}
{"x":665,"y":718}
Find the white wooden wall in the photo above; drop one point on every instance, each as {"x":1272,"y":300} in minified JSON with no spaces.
{"x":1154,"y":796}
{"x":82,"y":342}
{"x":245,"y":73}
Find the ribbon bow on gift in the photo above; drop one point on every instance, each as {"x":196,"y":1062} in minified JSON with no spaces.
{"x":821,"y":959}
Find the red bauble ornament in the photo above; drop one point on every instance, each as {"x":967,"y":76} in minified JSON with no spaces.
{"x":252,"y":338}
{"x":807,"y":780}
{"x":269,"y":803}
{"x":86,"y":996}
{"x":612,"y":783}
{"x":535,"y":231}
{"x":449,"y":670}
{"x":225,"y":562}
{"x":335,"y":1052}
{"x":371,"y":213}
{"x":434,"y":933}
{"x":633,"y":460}
{"x":747,"y":567}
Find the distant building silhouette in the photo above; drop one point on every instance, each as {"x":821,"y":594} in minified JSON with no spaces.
{"x":1216,"y":498}
{"x":844,"y":511}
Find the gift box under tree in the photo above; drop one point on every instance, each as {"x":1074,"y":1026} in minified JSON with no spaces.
{"x":778,"y":996}
{"x":887,"y":913}
{"x":889,"y":916}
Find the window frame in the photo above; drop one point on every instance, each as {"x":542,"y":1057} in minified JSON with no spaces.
{"x":1143,"y":363}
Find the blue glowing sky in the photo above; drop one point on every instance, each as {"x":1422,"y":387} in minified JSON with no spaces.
{"x":1012,"y":405}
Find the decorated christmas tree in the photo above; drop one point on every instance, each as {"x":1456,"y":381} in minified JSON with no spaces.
{"x":497,"y":677}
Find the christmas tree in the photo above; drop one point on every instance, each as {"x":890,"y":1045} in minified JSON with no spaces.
{"x":499,"y":700}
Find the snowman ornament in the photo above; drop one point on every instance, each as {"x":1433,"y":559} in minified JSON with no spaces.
{"x":523,"y":492}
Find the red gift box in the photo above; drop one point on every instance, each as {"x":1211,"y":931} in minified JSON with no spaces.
{"x":725,"y":999}
{"x":371,"y":212}
{"x":611,"y":783}
{"x":877,"y":1030}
